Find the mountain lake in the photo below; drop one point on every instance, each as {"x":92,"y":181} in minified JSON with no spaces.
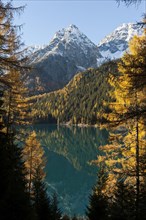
{"x":69,"y":152}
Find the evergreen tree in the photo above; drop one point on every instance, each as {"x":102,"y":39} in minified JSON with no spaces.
{"x":74,"y":218}
{"x":3,"y":87}
{"x":55,"y":210}
{"x":123,"y":204}
{"x":65,"y":217}
{"x":14,"y":200}
{"x":98,"y":201}
{"x":41,"y":201}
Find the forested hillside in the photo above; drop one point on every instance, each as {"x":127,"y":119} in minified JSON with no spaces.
{"x":113,"y":95}
{"x":81,"y":101}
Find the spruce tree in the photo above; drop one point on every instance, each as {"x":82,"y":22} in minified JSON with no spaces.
{"x":14,"y":201}
{"x":55,"y":210}
{"x":41,"y":201}
{"x":98,"y":200}
{"x":123,"y":205}
{"x":74,"y":217}
{"x":65,"y":217}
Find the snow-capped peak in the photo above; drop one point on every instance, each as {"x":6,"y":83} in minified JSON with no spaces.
{"x":123,"y":32}
{"x":67,"y":42}
{"x":116,"y":43}
{"x":71,"y":43}
{"x":71,"y":33}
{"x":34,"y":48}
{"x":72,"y":28}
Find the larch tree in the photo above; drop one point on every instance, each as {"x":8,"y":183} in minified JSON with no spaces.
{"x":12,"y":64}
{"x":34,"y":161}
{"x":125,"y":155}
{"x":33,"y":155}
{"x":133,"y":68}
{"x":14,"y":202}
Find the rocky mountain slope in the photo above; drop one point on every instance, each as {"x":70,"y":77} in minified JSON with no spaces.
{"x":70,"y":52}
{"x":115,"y":44}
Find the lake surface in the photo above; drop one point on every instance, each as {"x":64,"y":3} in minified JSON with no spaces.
{"x":69,"y":151}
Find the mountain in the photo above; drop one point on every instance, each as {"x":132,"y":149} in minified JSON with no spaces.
{"x":32,"y":49}
{"x":115,"y":44}
{"x":69,"y":52}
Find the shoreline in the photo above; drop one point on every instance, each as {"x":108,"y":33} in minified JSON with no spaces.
{"x":81,"y":125}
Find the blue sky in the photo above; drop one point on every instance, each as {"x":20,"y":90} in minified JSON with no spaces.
{"x":96,"y":18}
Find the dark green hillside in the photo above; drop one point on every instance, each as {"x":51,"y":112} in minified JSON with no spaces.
{"x":81,"y":101}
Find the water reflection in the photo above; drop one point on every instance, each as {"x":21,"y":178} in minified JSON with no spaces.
{"x":69,"y":151}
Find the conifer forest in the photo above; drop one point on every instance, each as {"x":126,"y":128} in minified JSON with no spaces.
{"x":110,"y":97}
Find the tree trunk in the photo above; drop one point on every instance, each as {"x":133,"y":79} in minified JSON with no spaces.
{"x":30,"y":173}
{"x":137,"y":160}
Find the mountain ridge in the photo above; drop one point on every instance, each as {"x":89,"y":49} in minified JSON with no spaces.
{"x":69,"y":52}
{"x":116,"y":43}
{"x":65,"y":36}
